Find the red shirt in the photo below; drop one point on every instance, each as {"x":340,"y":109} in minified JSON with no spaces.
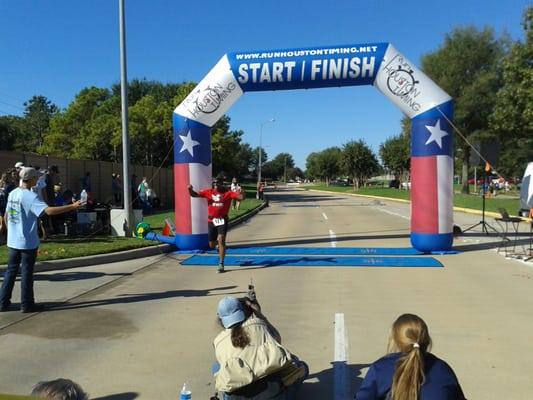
{"x":218,"y":203}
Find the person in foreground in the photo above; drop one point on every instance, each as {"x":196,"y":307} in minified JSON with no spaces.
{"x":23,"y":210}
{"x":410,"y":371}
{"x":219,"y":200}
{"x":59,"y":389}
{"x":251,"y":362}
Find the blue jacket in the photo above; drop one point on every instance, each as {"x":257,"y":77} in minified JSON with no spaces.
{"x":440,"y":383}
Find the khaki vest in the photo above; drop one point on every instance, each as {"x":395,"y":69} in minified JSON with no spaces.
{"x":262,"y":357}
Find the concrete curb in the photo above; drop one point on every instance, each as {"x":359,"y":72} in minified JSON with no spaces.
{"x":460,"y":209}
{"x":246,"y":216}
{"x":125,"y":255}
{"x":106,"y":258}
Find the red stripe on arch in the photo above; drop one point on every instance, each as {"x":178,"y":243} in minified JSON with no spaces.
{"x":424,"y":195}
{"x":182,"y":199}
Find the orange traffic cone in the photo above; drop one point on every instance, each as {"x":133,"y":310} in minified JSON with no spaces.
{"x":166,"y":229}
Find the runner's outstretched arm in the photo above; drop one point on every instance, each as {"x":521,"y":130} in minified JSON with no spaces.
{"x":192,"y":192}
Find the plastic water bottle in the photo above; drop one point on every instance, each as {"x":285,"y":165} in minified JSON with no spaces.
{"x":83,"y":196}
{"x":185,"y":393}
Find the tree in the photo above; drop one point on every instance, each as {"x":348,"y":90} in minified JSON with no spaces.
{"x":312,"y":166}
{"x":512,"y":119}
{"x":466,"y":67}
{"x":278,"y":166}
{"x":63,"y":138}
{"x":255,"y":159}
{"x":395,"y":155}
{"x":324,"y":164}
{"x":358,"y":162}
{"x":37,"y":114}
{"x":11,"y":128}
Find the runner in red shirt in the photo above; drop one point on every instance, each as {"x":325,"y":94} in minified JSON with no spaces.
{"x":218,"y":204}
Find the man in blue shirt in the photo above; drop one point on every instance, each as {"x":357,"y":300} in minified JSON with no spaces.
{"x":24,"y":207}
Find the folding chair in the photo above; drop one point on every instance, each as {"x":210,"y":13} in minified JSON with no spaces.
{"x":508,"y":221}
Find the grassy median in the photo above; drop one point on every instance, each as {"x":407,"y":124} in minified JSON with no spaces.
{"x":59,"y":247}
{"x":460,"y":200}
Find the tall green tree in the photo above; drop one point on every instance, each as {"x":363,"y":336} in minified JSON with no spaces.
{"x":11,"y":128}
{"x":277,"y":168}
{"x":324,"y":165}
{"x":37,"y":114}
{"x":63,"y":138}
{"x":395,"y":155}
{"x":255,"y":159}
{"x":312,"y":168}
{"x":359,"y":162}
{"x":512,"y":119}
{"x":466,"y":66}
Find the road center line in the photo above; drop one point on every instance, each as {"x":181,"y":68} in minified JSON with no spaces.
{"x":325,"y":216}
{"x":332,"y":237}
{"x":393,"y":213}
{"x":340,"y":382}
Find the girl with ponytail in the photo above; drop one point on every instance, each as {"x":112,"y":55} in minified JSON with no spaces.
{"x":409,"y":371}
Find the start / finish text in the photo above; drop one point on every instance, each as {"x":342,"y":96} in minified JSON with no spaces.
{"x":307,"y":70}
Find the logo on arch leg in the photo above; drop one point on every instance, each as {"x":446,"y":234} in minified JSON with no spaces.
{"x":401,"y":81}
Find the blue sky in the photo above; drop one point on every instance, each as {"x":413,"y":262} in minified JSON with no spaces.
{"x":56,"y":47}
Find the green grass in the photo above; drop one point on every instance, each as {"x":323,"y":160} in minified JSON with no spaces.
{"x":157,"y":221}
{"x":460,"y":200}
{"x":60,"y":248}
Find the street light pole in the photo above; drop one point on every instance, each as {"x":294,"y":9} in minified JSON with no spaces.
{"x":125,"y":135}
{"x":260,"y":162}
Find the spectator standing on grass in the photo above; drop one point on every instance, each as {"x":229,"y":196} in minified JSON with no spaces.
{"x":22,"y":212}
{"x":410,"y":371}
{"x":116,"y":188}
{"x":4,"y":186}
{"x":236,"y":188}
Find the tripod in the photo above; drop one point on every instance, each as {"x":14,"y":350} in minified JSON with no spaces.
{"x":484,"y":225}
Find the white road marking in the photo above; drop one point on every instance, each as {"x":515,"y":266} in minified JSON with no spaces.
{"x":393,"y":213}
{"x":340,"y":359}
{"x":325,"y":216}
{"x":332,"y":237}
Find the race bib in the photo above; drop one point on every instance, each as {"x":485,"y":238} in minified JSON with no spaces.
{"x":219,"y":221}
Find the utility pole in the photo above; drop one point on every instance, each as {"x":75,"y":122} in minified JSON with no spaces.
{"x":260,"y":161}
{"x":125,"y":134}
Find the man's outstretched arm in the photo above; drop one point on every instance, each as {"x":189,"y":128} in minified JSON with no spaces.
{"x":192,"y":192}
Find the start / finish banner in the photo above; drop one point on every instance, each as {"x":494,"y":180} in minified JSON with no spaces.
{"x":307,"y":68}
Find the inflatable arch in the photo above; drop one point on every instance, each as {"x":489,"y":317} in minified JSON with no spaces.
{"x":378,"y":64}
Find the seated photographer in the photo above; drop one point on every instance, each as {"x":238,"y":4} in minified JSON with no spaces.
{"x":251,"y":362}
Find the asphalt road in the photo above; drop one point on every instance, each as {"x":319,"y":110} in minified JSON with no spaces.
{"x":139,"y":329}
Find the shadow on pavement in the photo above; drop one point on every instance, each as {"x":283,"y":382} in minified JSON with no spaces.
{"x":74,"y":276}
{"x":70,"y":276}
{"x":285,"y":198}
{"x":119,"y":396}
{"x":324,"y":387}
{"x":138,"y":298}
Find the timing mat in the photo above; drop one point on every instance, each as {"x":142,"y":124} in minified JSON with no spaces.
{"x":316,"y":261}
{"x":337,"y":251}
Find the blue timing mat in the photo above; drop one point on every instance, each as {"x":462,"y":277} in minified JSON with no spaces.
{"x":295,"y":261}
{"x":337,"y":251}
